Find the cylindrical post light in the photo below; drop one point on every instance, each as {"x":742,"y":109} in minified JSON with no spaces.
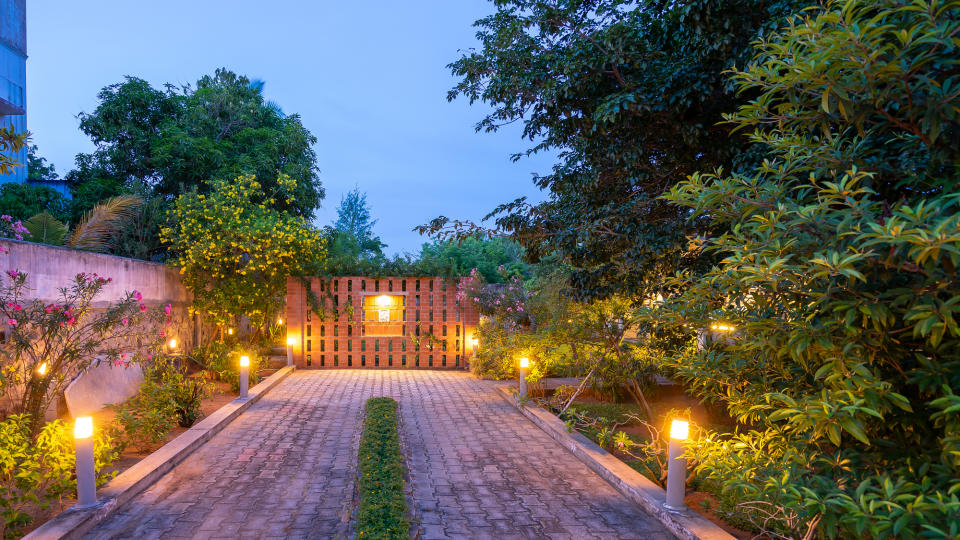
{"x":476,"y":344}
{"x":86,"y":475}
{"x":524,"y":366}
{"x":244,"y":375}
{"x":290,"y":342}
{"x":677,"y":467}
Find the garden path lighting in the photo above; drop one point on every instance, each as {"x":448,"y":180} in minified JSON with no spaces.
{"x":173,"y":344}
{"x":42,"y":370}
{"x":244,"y":375}
{"x":279,"y":321}
{"x":291,"y":341}
{"x":722,"y":327}
{"x":229,"y":331}
{"x":524,"y":366}
{"x":677,"y":466}
{"x":476,"y":344}
{"x":86,"y":476}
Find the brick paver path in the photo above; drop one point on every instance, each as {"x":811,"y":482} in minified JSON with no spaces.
{"x":286,"y":469}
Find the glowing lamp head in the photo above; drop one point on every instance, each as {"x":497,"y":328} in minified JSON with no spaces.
{"x":722,"y":327}
{"x":383,"y":300}
{"x":279,"y":320}
{"x":42,"y":370}
{"x":244,"y":361}
{"x":83,"y":427}
{"x":679,"y":429}
{"x":230,"y":331}
{"x":291,"y":341}
{"x":524,"y":362}
{"x":475,"y":342}
{"x":173,"y":343}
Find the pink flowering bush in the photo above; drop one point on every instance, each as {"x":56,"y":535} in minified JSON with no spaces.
{"x":507,"y":300}
{"x":12,"y":229}
{"x":49,"y":344}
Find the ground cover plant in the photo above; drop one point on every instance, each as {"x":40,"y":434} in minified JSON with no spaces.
{"x":383,"y":506}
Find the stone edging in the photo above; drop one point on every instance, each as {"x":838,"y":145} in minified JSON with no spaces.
{"x":75,"y":522}
{"x":633,"y":485}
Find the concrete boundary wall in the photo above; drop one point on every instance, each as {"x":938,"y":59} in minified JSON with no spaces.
{"x":50,"y":268}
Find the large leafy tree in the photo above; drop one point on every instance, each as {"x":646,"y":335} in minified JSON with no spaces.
{"x":235,"y":250}
{"x":839,"y":273}
{"x":629,"y":95}
{"x":172,"y":140}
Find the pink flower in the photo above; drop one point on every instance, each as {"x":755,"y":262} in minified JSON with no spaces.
{"x":143,"y":308}
{"x":167,"y":309}
{"x":13,"y":273}
{"x":12,"y":322}
{"x":17,"y":307}
{"x":126,"y":321}
{"x":163,"y":333}
{"x":137,"y":295}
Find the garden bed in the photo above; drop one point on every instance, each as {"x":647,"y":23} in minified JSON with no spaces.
{"x":221,"y":395}
{"x":610,"y":418}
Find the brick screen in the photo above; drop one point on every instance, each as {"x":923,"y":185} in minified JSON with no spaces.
{"x":382,"y":323}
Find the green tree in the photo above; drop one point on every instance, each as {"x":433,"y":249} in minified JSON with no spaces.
{"x":173,"y":140}
{"x":496,"y":259}
{"x":235,"y":249}
{"x":23,"y":201}
{"x":37,"y":167}
{"x":629,"y":95}
{"x":838,"y":270}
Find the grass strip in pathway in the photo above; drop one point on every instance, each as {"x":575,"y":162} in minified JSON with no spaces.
{"x":383,"y":508}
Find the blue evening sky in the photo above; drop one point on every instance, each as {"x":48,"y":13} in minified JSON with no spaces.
{"x":367,"y":78}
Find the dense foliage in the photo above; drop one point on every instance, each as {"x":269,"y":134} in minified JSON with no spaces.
{"x":175,"y":140}
{"x":839,"y":273}
{"x":37,"y":470}
{"x":235,"y":249}
{"x":629,"y":95}
{"x":48,"y":345}
{"x":23,"y":201}
{"x":383,"y":505}
{"x":11,"y":142}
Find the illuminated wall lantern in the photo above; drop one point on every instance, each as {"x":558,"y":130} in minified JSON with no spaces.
{"x":291,"y":341}
{"x":86,"y":476}
{"x":244,"y":375}
{"x":524,"y":368}
{"x":677,"y":467}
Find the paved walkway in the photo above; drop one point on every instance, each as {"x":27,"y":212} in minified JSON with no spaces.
{"x":286,"y":469}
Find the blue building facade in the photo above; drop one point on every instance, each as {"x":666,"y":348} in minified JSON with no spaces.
{"x":13,"y":75}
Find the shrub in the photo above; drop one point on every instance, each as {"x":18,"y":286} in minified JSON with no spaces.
{"x":50,"y":344}
{"x":34,"y":471}
{"x":837,"y":266}
{"x":167,"y":397}
{"x":382,"y":502}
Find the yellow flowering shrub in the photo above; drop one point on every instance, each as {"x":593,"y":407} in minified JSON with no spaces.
{"x":234,"y":250}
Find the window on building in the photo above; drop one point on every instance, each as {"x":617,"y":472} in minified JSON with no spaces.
{"x":309,"y":360}
{"x":308,"y":345}
{"x":309,"y":329}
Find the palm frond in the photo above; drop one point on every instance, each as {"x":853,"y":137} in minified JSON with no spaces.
{"x":97,"y":230}
{"x":46,"y":229}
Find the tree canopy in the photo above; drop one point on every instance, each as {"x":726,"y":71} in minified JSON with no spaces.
{"x":629,"y":94}
{"x":174,"y":140}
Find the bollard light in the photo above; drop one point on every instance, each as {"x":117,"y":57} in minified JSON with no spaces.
{"x":229,"y":331}
{"x":173,"y":343}
{"x":524,"y":364}
{"x":291,"y":341}
{"x":279,"y":321}
{"x":86,"y":475}
{"x":677,"y":467}
{"x":42,"y":370}
{"x":244,"y":375}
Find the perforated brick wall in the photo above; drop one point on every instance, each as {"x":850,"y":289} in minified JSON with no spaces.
{"x":385,"y":323}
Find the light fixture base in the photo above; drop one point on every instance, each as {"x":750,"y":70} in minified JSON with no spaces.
{"x":676,"y":509}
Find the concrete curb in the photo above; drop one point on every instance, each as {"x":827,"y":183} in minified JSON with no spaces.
{"x":633,"y":485}
{"x":74,"y":522}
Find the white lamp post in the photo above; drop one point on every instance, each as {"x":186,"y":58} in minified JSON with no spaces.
{"x":290,"y":342}
{"x":86,"y":476}
{"x":677,"y":467}
{"x":244,"y":375}
{"x":524,"y":365}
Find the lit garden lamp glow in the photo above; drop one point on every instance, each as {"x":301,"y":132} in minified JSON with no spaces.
{"x":279,"y":321}
{"x":476,"y":345}
{"x":229,"y":331}
{"x":524,"y":368}
{"x":244,"y":375}
{"x":677,"y":467}
{"x":86,"y":476}
{"x":291,"y":341}
{"x":42,"y":370}
{"x":172,"y":345}
{"x":722,"y":327}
